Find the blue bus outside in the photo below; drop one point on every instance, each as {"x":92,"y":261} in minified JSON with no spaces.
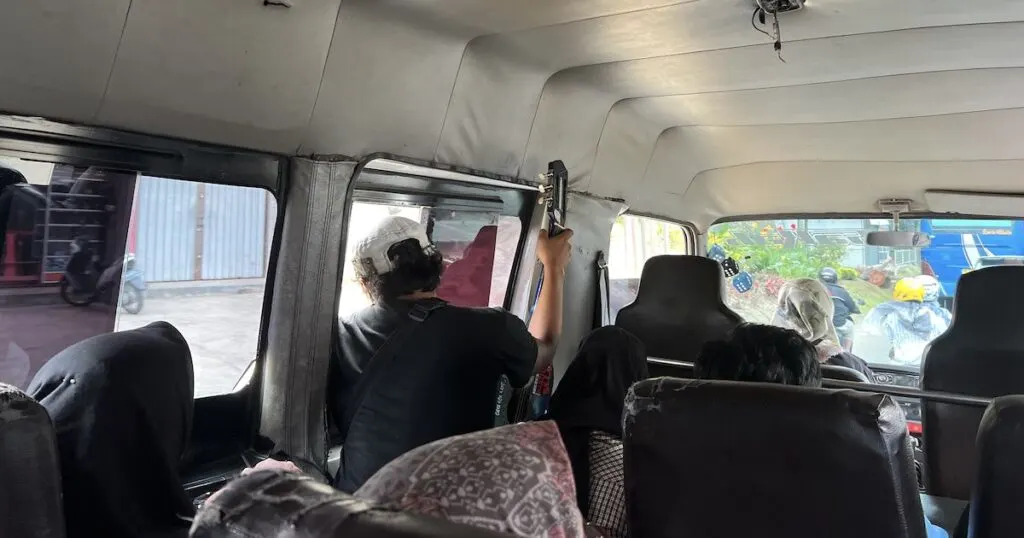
{"x":962,"y":245}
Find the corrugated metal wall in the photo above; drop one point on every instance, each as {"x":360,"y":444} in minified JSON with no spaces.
{"x":234,"y":232}
{"x":166,"y":240}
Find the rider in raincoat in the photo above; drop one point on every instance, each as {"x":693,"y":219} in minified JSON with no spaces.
{"x":900,"y":329}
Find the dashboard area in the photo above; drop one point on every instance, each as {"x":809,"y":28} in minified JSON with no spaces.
{"x":911,"y":406}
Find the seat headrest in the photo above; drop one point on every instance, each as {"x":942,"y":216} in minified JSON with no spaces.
{"x":29,"y":469}
{"x":679,"y":306}
{"x":670,"y":279}
{"x":987,"y":304}
{"x":987,"y":321}
{"x":726,"y":459}
{"x":276,"y":503}
{"x":999,"y":482}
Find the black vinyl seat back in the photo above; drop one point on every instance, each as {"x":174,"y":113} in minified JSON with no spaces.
{"x":720,"y":459}
{"x":290,"y":505}
{"x":30,"y":483}
{"x":981,"y":354}
{"x":680,"y":305}
{"x":999,"y":481}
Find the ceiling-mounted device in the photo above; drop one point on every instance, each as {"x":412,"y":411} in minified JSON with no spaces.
{"x":895,"y":237}
{"x":765,"y":8}
{"x":779,"y":6}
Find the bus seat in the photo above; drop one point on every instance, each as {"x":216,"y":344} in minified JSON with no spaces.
{"x":981,"y":354}
{"x":720,"y":459}
{"x":275,"y":503}
{"x":30,"y":499}
{"x":680,"y":305}
{"x":999,"y":481}
{"x":842,"y":373}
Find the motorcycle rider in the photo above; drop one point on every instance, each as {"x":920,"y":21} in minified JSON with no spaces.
{"x":932,"y":290}
{"x":901,"y":328}
{"x":845,"y":306}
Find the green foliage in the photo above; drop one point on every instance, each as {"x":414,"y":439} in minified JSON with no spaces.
{"x":848,"y":273}
{"x":766,"y":247}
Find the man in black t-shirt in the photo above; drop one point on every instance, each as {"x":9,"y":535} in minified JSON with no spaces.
{"x":440,"y":377}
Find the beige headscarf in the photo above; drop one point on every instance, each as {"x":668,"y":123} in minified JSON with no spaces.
{"x":805,"y":306}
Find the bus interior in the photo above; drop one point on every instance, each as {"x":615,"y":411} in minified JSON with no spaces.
{"x":224,"y":157}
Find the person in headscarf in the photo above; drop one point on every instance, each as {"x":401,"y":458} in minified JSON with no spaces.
{"x":121,"y":404}
{"x":806,"y":306}
{"x":587,"y":406}
{"x":900,"y":329}
{"x":515,"y":479}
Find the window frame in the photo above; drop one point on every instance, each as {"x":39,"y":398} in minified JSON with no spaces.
{"x":38,"y":139}
{"x":462,"y":190}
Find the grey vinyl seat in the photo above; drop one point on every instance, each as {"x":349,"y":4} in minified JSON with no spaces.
{"x":679,"y":306}
{"x":981,"y":354}
{"x":30,"y":483}
{"x":720,"y":459}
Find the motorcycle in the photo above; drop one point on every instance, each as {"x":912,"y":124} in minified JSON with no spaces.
{"x":85,"y":281}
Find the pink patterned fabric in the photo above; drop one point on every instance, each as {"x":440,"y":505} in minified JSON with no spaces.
{"x":514,"y":479}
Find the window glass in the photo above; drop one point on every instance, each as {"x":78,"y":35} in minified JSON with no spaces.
{"x":899,"y":299}
{"x":634,"y":240}
{"x":479,"y":250}
{"x":86,"y":251}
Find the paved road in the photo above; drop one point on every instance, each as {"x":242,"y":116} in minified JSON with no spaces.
{"x":222,"y":331}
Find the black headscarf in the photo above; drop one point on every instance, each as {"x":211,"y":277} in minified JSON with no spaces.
{"x":121,"y":404}
{"x":590,"y":396}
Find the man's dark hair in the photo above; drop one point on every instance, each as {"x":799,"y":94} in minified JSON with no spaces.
{"x":760,"y":353}
{"x":415,"y":269}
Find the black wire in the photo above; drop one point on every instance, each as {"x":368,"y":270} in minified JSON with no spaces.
{"x":753,"y":19}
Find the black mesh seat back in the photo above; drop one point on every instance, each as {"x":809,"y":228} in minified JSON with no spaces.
{"x":288,"y":505}
{"x":30,"y":484}
{"x":999,"y":482}
{"x":679,"y":306}
{"x":717,"y":459}
{"x":982,"y":354}
{"x":842,"y":373}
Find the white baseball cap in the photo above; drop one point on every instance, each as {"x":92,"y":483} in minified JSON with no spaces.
{"x":392,"y":230}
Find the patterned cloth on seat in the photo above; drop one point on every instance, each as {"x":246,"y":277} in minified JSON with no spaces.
{"x":514,"y":479}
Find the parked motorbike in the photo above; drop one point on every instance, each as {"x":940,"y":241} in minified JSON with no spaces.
{"x":85,"y":281}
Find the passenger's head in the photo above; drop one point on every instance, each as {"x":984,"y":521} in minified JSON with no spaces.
{"x":931,"y":288}
{"x":760,"y":353}
{"x":121,"y":404}
{"x":805,"y":306}
{"x":515,"y":479}
{"x":591,"y":393}
{"x":828,"y":275}
{"x":909,"y":289}
{"x":395,"y":259}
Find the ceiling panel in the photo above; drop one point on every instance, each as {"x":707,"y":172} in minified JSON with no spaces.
{"x":683,"y":152}
{"x":230,"y":71}
{"x":55,"y":55}
{"x":843,"y":187}
{"x":502,"y":75}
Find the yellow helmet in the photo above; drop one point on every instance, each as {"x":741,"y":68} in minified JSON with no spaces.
{"x":908,"y":289}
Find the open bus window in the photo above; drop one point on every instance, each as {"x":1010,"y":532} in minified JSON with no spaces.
{"x":898,"y":299}
{"x":633,"y":241}
{"x":478,"y":248}
{"x":86,"y":250}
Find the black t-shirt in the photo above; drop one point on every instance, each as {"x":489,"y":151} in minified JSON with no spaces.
{"x":442,"y":380}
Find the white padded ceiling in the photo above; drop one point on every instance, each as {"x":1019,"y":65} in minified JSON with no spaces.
{"x":681,"y":108}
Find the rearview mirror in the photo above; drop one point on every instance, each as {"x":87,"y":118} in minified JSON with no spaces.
{"x":898,"y":239}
